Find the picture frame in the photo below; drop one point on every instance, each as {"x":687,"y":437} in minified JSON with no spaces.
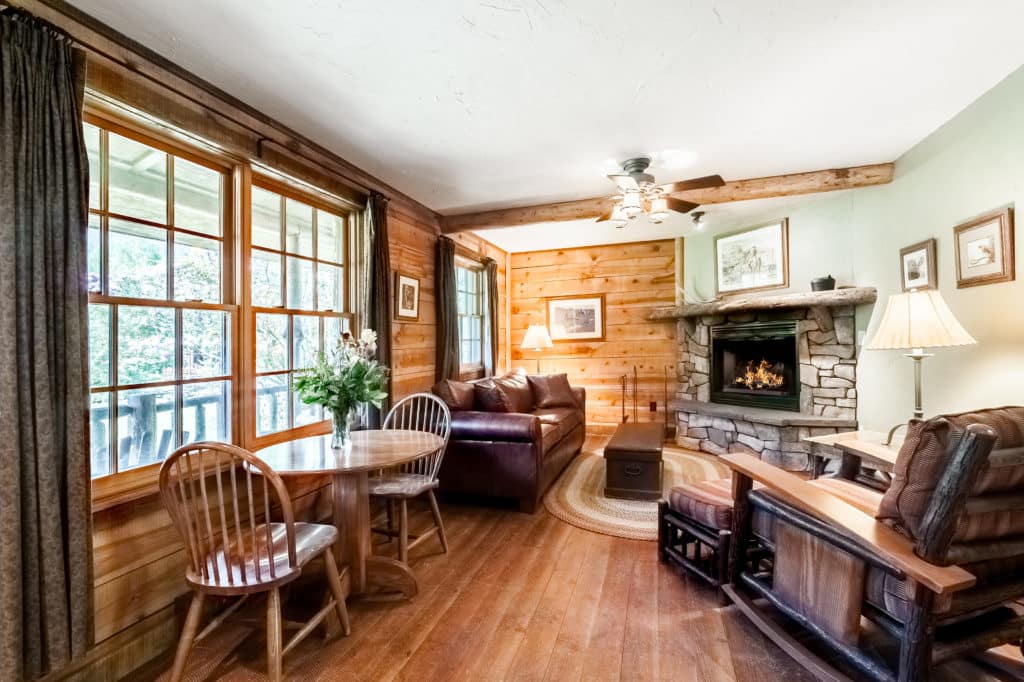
{"x":753,"y":259}
{"x":984,"y":249}
{"x":576,"y":318}
{"x":407,"y":298}
{"x":917,"y":266}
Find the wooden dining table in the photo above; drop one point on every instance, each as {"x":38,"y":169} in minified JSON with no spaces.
{"x":349,"y":469}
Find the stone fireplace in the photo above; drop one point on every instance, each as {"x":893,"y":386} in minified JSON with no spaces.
{"x":760,"y":374}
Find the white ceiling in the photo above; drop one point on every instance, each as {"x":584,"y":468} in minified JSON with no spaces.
{"x":469,"y":105}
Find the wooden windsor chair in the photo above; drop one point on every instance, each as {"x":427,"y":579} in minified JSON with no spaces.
{"x":417,"y":412}
{"x":220,"y":499}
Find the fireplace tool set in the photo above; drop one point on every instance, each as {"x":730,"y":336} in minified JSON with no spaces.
{"x":624,"y":383}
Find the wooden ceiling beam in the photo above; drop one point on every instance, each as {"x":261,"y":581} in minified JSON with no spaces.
{"x":738,"y":190}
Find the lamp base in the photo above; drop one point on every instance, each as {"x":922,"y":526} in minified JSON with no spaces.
{"x":917,"y":354}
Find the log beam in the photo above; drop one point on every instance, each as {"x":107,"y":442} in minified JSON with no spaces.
{"x":738,"y":190}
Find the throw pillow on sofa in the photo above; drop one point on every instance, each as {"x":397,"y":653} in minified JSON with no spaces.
{"x":505,"y":394}
{"x":458,"y":395}
{"x":552,"y":390}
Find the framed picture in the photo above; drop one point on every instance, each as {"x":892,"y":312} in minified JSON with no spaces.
{"x":917,"y":266}
{"x":984,"y":249}
{"x":407,"y":298}
{"x":753,"y":259}
{"x":576,"y":318}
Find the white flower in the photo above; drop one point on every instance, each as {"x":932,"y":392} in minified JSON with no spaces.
{"x":368,"y":337}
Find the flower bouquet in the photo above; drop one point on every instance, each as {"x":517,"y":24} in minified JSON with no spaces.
{"x":343,"y":379}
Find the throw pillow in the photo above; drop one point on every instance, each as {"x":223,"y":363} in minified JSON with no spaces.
{"x":490,"y":397}
{"x":552,"y":390}
{"x":458,"y":395}
{"x":518,"y":391}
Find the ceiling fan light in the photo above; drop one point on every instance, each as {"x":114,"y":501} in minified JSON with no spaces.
{"x":658,"y":210}
{"x":619,"y":217}
{"x":631,"y":204}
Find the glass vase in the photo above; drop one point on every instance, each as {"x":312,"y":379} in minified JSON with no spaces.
{"x":341,"y":431}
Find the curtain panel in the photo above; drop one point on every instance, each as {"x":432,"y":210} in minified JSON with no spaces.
{"x":378,"y":291}
{"x":45,"y":505}
{"x":447,"y":363}
{"x":491,"y":323}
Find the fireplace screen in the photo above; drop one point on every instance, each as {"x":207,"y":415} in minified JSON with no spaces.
{"x":755,"y":364}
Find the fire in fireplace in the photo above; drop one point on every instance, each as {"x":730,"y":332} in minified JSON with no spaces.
{"x":755,"y":364}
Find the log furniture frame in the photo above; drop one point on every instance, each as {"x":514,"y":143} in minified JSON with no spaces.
{"x":823,"y":520}
{"x":682,"y":541}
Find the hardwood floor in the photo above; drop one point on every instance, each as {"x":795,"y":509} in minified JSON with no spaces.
{"x":526,"y":597}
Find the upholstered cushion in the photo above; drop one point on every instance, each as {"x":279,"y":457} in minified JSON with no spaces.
{"x":565,"y":418}
{"x":922,"y":461}
{"x":505,"y":394}
{"x":552,"y":390}
{"x":458,"y":395}
{"x":518,"y":390}
{"x":709,"y":503}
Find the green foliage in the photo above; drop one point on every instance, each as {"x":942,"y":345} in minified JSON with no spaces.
{"x":347,"y":378}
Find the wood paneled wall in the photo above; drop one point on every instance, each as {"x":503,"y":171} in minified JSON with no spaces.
{"x":413,"y":242}
{"x":634,"y":279}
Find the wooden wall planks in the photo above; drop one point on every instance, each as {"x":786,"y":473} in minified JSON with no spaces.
{"x":634,"y":278}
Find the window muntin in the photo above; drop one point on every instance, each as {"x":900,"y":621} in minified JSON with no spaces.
{"x":469,"y":293}
{"x":159,"y":328}
{"x":297,"y":263}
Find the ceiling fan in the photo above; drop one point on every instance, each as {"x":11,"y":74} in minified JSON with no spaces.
{"x":639,"y":194}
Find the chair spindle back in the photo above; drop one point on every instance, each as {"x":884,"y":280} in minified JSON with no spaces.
{"x":215,"y":493}
{"x":422,"y":412}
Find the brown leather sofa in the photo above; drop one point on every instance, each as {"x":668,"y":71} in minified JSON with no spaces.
{"x":511,"y":436}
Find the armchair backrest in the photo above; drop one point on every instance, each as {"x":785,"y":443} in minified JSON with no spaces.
{"x":958,"y":486}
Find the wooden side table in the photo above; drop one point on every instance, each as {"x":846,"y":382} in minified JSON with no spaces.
{"x":856,"y":450}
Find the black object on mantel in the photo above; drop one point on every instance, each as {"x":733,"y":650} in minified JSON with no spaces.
{"x":823,"y":283}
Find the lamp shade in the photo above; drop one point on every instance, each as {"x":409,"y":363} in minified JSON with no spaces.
{"x":536,"y":338}
{"x":918,"y":319}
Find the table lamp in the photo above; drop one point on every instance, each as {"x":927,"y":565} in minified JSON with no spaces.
{"x":917,"y":320}
{"x":536,"y":339}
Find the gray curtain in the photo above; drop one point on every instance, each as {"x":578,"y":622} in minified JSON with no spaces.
{"x":491,"y":324}
{"x":447,"y":365}
{"x":45,"y":515}
{"x":378,"y":290}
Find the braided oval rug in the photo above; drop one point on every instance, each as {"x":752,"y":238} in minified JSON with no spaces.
{"x":577,"y":497}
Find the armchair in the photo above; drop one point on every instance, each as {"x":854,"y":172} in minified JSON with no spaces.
{"x":937,"y":568}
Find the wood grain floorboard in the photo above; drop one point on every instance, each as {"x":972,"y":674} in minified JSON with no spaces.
{"x":526,"y":597}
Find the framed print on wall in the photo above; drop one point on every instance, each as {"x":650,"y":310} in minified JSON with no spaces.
{"x":576,"y":318}
{"x":984,"y":250}
{"x":407,"y":298}
{"x":753,"y":259}
{"x":917,"y":266}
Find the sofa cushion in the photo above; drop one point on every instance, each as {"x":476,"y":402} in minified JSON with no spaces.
{"x":550,"y":435}
{"x":552,"y":390}
{"x":709,"y":503}
{"x":922,"y":461}
{"x":504,"y":394}
{"x":458,"y":395}
{"x":496,"y":427}
{"x":564,"y":419}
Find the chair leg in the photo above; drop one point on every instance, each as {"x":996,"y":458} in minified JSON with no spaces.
{"x":391,"y":519}
{"x":331,"y":566}
{"x":437,"y":520}
{"x":274,"y":635}
{"x":403,"y":532}
{"x":188,"y":635}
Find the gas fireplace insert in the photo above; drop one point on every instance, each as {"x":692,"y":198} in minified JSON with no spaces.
{"x":755,"y":364}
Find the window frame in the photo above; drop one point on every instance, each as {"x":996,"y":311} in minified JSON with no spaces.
{"x":319,"y":202}
{"x":479,"y":316}
{"x":239,"y":176}
{"x":118,"y":486}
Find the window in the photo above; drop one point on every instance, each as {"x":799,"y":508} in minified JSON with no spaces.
{"x":469,"y":290}
{"x":160,"y":318}
{"x":298,"y":297}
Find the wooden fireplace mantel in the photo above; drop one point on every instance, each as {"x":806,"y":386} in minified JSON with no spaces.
{"x":734,"y":304}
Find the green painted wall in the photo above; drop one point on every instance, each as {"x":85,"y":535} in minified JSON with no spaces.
{"x":969,"y":166}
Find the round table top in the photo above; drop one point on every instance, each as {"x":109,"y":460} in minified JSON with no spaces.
{"x":370,"y":450}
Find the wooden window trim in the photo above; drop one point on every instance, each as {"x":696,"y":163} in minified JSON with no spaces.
{"x":239,"y":178}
